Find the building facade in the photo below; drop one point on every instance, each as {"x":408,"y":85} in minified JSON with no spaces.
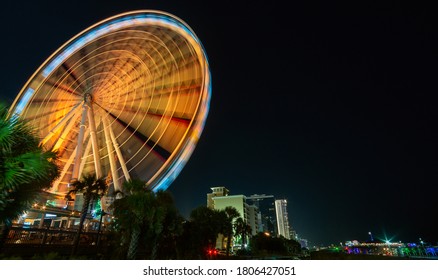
{"x":266,"y":206}
{"x":254,"y":219}
{"x":282,"y":218}
{"x":220,"y":199}
{"x":216,"y":192}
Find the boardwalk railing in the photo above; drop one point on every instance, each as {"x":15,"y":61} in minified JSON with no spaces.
{"x":31,"y":241}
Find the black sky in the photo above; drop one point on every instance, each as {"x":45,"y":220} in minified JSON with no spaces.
{"x":332,"y":106}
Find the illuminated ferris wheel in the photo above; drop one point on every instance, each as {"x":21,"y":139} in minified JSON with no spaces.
{"x":127,"y":97}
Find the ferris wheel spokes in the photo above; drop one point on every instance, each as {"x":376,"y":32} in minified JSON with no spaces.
{"x":125,"y":98}
{"x":59,"y":125}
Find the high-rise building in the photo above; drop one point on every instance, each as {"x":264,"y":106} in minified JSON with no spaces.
{"x":215,"y":192}
{"x":266,"y":205}
{"x":254,"y":219}
{"x":262,"y":212}
{"x":236,"y":201}
{"x":282,"y":218}
{"x":220,"y":198}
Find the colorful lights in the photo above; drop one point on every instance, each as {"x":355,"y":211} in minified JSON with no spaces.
{"x":212,"y":252}
{"x":23,"y":102}
{"x":392,"y":249}
{"x":148,"y":87}
{"x":112,"y":26}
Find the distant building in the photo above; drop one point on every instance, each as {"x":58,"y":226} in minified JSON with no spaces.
{"x":263,"y":213}
{"x":293,"y":234}
{"x":216,"y":191}
{"x":220,"y":198}
{"x":266,"y":205}
{"x":236,"y":201}
{"x":254,"y":219}
{"x":282,"y":218}
{"x":304,"y":243}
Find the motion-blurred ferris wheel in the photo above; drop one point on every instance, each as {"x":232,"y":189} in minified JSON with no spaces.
{"x":127,"y":97}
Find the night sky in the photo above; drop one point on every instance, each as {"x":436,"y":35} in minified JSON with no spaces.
{"x":332,"y":106}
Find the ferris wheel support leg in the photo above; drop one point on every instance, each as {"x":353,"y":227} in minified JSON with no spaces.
{"x":96,"y":156}
{"x":119,"y":153}
{"x":55,"y":186}
{"x":66,"y":131}
{"x":60,"y":124}
{"x":75,"y":173}
{"x":86,"y":153}
{"x":110,"y":148}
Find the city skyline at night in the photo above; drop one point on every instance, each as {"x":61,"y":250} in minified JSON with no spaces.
{"x":329,"y":106}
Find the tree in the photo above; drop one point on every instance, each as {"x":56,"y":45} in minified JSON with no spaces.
{"x":266,"y":245}
{"x":242,"y":229}
{"x":201,"y":231}
{"x":131,"y":211}
{"x":145,"y":217}
{"x":231,"y":214}
{"x":167,"y":229}
{"x":92,"y":189}
{"x":26,"y":169}
{"x":293,"y":247}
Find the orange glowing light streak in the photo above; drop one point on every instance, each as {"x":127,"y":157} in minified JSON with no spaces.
{"x":147,"y":76}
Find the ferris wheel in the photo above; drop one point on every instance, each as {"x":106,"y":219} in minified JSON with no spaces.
{"x":126,"y":98}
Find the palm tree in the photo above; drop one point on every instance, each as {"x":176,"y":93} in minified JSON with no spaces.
{"x":142,"y":215}
{"x":25,"y":169}
{"x":231,"y":214}
{"x":166,"y":225}
{"x":132,"y":211}
{"x":201,"y":231}
{"x":92,"y":189}
{"x":242,"y":229}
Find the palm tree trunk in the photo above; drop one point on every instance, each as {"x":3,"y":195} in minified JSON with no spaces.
{"x":154,"y":249}
{"x":133,"y":244}
{"x":5,"y":231}
{"x":155,"y":242}
{"x":228,"y":244}
{"x":155,"y":245}
{"x":81,"y":224}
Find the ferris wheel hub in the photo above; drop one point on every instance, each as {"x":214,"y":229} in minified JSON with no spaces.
{"x":88,"y":98}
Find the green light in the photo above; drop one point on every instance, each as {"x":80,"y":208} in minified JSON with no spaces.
{"x":97,"y":209}
{"x":50,"y":203}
